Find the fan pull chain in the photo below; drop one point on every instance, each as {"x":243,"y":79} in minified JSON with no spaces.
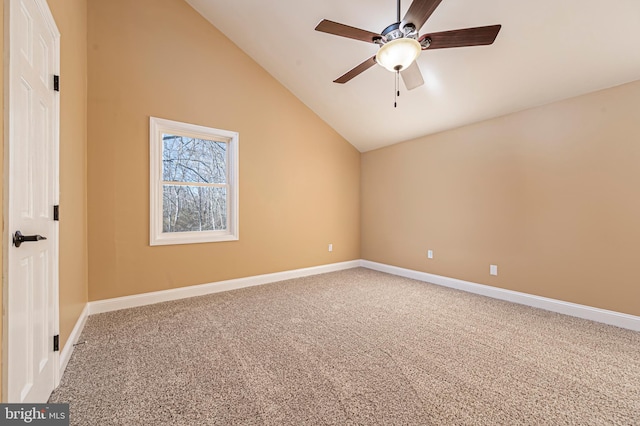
{"x":395,"y":103}
{"x":397,"y":90}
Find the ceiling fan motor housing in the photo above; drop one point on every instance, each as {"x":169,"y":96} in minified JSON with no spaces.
{"x":395,"y":31}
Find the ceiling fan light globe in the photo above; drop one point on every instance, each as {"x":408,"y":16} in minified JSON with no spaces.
{"x":398,"y":54}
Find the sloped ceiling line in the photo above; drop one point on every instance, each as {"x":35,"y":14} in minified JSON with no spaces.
{"x":546,"y":51}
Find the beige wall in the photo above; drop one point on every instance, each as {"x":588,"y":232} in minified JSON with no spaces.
{"x":71,"y":19}
{"x":551,"y":195}
{"x":299,"y":180}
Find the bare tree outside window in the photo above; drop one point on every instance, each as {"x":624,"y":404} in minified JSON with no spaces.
{"x":186,"y":164}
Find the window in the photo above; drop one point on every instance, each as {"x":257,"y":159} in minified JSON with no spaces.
{"x":193,"y":183}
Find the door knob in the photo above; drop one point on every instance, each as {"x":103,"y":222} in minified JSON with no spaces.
{"x":18,"y":238}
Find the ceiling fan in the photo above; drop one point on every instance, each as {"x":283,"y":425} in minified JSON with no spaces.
{"x":400,"y":43}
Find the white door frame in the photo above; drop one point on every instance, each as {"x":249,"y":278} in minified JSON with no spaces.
{"x":8,"y":141}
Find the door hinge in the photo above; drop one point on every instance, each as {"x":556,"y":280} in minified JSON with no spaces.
{"x":56,"y":212}
{"x":56,"y":83}
{"x":56,"y":343}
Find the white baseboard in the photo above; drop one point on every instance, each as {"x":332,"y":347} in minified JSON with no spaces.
{"x":65,"y":354}
{"x":125,"y":302}
{"x":618,"y":319}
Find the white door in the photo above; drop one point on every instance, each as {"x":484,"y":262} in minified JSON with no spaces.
{"x":32,"y":190}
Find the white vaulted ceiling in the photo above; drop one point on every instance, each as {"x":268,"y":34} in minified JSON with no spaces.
{"x":547,"y":50}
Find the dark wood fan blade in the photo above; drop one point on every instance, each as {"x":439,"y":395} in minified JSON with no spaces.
{"x":342,"y":30}
{"x":419,"y":12}
{"x":412,"y":76}
{"x":357,"y":70}
{"x":478,"y":36}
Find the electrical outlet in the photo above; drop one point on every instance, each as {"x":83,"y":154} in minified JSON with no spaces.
{"x":493,"y":269}
{"x":430,"y":254}
{"x":330,"y":247}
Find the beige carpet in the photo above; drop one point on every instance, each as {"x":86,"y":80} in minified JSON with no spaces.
{"x":356,"y":347}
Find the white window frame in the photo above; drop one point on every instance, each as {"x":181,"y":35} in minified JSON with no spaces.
{"x":160,"y":126}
